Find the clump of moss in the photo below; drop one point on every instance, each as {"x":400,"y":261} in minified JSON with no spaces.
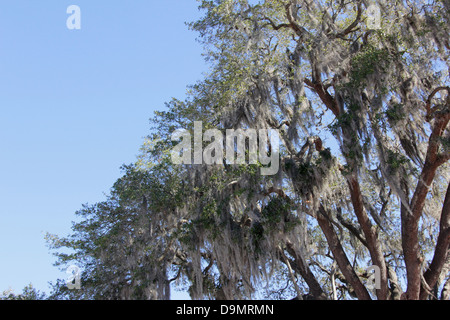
{"x":367,"y":62}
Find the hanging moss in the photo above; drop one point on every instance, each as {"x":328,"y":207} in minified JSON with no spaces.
{"x":344,"y":120}
{"x":325,"y":155}
{"x":275,"y":210}
{"x":365,"y":63}
{"x":395,"y":113}
{"x":395,"y":160}
{"x":257,"y":235}
{"x":254,"y":84}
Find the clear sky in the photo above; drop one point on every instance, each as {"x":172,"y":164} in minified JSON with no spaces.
{"x":74,"y":107}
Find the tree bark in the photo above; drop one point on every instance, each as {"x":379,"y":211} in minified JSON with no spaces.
{"x":340,"y":256}
{"x":433,"y":272}
{"x":411,"y":216}
{"x":445,"y":294}
{"x":371,"y":235}
{"x":303,"y":269}
{"x":396,"y":290}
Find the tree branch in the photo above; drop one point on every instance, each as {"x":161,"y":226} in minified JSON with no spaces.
{"x":352,"y":228}
{"x":291,"y":273}
{"x":442,"y":246}
{"x":177,"y":276}
{"x":277,"y":26}
{"x":350,"y":28}
{"x":324,"y":95}
{"x":300,"y":31}
{"x":340,"y":256}
{"x":445,"y":293}
{"x":428,"y":102}
{"x":370,"y":233}
{"x":303,"y":269}
{"x":396,"y":290}
{"x":410,"y":216}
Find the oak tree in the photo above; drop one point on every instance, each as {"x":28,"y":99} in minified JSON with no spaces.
{"x":362,"y":104}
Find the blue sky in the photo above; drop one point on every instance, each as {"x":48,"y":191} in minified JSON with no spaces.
{"x":74,"y":107}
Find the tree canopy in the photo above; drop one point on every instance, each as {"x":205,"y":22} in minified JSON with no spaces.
{"x":362,"y":103}
{"x":28,"y":293}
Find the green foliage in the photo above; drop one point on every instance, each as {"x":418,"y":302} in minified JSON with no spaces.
{"x":257,"y":235}
{"x":396,"y":160}
{"x":366,"y":63}
{"x":28,"y":293}
{"x":395,"y":113}
{"x":275,"y":211}
{"x":218,"y":229}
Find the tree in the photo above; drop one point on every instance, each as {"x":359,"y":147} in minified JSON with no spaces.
{"x":362,"y":110}
{"x":123,"y":244}
{"x":28,"y":293}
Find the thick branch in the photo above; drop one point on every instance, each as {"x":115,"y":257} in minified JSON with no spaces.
{"x":291,"y":274}
{"x":433,"y":272}
{"x":411,"y":215}
{"x":324,"y":95}
{"x":352,"y":26}
{"x":303,"y":269}
{"x":340,"y":256}
{"x":352,"y":228}
{"x":300,"y":31}
{"x":370,"y":233}
{"x":430,"y":97}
